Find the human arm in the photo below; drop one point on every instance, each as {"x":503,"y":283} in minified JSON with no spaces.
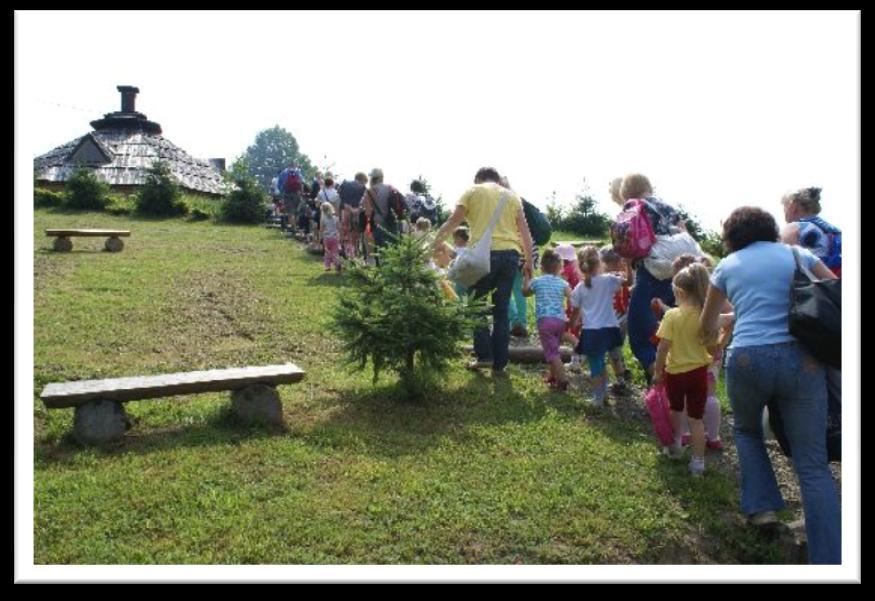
{"x":709,"y":320}
{"x":527,"y":285}
{"x":451,"y":224}
{"x":659,"y":364}
{"x":526,"y":236}
{"x":574,"y":320}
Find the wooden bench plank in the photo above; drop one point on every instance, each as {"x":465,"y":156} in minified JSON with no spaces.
{"x":73,"y":394}
{"x":101,"y":233}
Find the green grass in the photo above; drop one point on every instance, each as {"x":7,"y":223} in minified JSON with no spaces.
{"x":486,"y":472}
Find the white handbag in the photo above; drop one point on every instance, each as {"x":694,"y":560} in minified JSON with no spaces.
{"x":475,"y":262}
{"x":668,"y":248}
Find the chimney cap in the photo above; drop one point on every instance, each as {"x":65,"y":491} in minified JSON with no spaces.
{"x":133,"y":89}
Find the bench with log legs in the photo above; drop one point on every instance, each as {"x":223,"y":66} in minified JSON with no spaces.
{"x":63,"y":243}
{"x":100,"y":416}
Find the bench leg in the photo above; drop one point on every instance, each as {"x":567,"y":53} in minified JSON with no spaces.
{"x":114,"y":244}
{"x":63,"y":244}
{"x":258,"y":403}
{"x":99,"y":422}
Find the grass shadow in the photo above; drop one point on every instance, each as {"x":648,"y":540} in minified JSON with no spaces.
{"x":222,"y":427}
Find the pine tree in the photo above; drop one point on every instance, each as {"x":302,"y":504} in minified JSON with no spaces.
{"x":396,"y":317}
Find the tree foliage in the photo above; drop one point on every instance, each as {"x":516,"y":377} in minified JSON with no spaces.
{"x":272,"y":152}
{"x":246,"y":203}
{"x":160,"y":196}
{"x":396,"y":317}
{"x":84,"y":191}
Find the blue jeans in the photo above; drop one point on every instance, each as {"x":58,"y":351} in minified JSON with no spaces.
{"x":797,"y":382}
{"x":641,"y":321}
{"x":518,"y":308}
{"x":504,"y":265}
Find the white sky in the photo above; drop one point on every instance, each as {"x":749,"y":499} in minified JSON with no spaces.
{"x":718,"y":109}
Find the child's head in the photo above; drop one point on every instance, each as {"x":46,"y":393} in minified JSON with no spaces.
{"x":590,"y":263}
{"x":635,"y":185}
{"x":684,"y":260}
{"x":423,"y":224}
{"x":707,"y":261}
{"x":460,"y":236}
{"x":566,"y":253}
{"x":610,"y":259}
{"x":551,"y":262}
{"x":327,"y":209}
{"x":691,"y":284}
{"x":614,"y":189}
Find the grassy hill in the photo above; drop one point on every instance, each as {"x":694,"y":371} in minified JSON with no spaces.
{"x":489,"y":472}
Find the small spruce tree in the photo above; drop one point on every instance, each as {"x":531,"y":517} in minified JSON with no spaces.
{"x":160,"y":196}
{"x":85,"y":191}
{"x":396,"y":316}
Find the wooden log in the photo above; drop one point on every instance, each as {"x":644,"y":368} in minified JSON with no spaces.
{"x":529,"y":354}
{"x":63,"y":244}
{"x":73,"y":394}
{"x":114,"y":244}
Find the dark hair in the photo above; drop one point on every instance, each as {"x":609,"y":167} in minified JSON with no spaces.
{"x":487,"y":174}
{"x":417,"y":186}
{"x":328,"y":182}
{"x":361,"y":178}
{"x":747,"y":225}
{"x":461,"y":232}
{"x":550,"y":261}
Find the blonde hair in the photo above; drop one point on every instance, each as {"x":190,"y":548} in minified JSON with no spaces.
{"x":327,"y":209}
{"x":635,"y":185}
{"x":588,"y":259}
{"x":807,"y":199}
{"x":614,"y":189}
{"x":693,"y":280}
{"x":423,"y":224}
{"x":683,"y":260}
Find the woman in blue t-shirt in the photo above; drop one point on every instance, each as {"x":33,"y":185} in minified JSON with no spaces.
{"x":765,"y":362}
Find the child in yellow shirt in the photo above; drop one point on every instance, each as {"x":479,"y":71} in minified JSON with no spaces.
{"x":682,"y":361}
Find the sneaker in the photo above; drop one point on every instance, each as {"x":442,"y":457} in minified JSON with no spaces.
{"x":686,"y":439}
{"x":697,"y":468}
{"x":475,"y":365}
{"x":675,"y":451}
{"x":519,"y":331}
{"x":764,"y":518}
{"x":560,"y":385}
{"x":714,"y":445}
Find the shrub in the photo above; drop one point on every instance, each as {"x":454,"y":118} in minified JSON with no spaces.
{"x":160,"y":196}
{"x":246,"y":203}
{"x":120,"y":205}
{"x":84,"y":191}
{"x":395,"y":316}
{"x":47,"y":198}
{"x":198,"y":215}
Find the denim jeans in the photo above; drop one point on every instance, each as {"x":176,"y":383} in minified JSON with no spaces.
{"x":504,"y":265}
{"x":797,"y":382}
{"x":641,"y":320}
{"x":518,"y":308}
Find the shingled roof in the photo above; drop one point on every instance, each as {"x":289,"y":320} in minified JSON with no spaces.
{"x":121,"y":150}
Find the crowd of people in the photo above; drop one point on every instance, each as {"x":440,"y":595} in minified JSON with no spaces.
{"x":685,"y":316}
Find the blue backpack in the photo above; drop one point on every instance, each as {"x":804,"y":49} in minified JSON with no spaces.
{"x":833,"y":260}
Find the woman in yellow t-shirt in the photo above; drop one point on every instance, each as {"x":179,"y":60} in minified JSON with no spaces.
{"x":684,"y":359}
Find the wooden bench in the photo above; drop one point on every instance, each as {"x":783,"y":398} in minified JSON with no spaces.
{"x":63,"y":243}
{"x":100,"y":416}
{"x":597,"y":243}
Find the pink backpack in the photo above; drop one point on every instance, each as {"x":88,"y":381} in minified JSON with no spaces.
{"x":632,"y":233}
{"x":658,"y":407}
